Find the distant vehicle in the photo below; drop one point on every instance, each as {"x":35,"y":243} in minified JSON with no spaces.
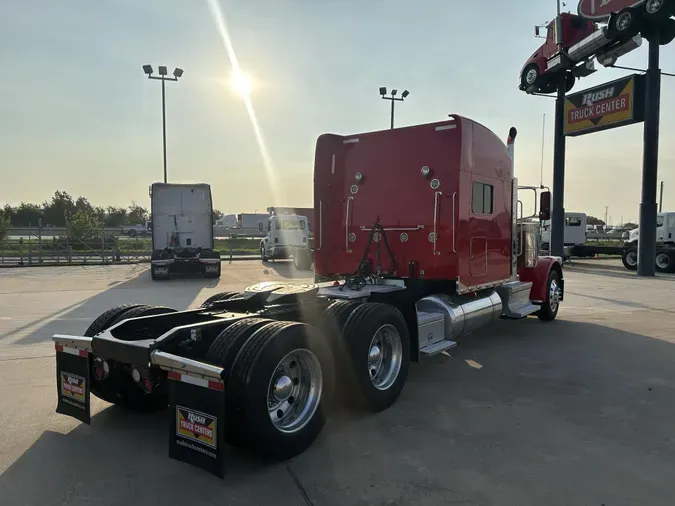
{"x":583,"y":40}
{"x":250,"y":220}
{"x":575,"y":230}
{"x":665,"y":229}
{"x":287,"y":237}
{"x":135,"y":230}
{"x":227,"y":221}
{"x":182,"y":232}
{"x":307,"y":212}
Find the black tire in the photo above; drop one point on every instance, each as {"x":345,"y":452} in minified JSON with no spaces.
{"x":212,"y":274}
{"x":570,"y":81}
{"x":664,"y":262}
{"x":358,"y":332}
{"x":658,"y":10}
{"x":334,"y":320}
{"x":218,"y":297}
{"x":624,"y":24}
{"x":223,"y":353}
{"x":671,"y":270}
{"x":119,"y":388}
{"x":105,"y":320}
{"x":250,"y":381}
{"x":530,"y":76}
{"x":629,"y":258}
{"x":549,"y":310}
{"x":302,"y":260}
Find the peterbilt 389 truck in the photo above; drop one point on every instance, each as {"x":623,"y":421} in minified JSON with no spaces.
{"x":418,"y":243}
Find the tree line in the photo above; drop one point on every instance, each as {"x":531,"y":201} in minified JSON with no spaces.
{"x":63,"y":208}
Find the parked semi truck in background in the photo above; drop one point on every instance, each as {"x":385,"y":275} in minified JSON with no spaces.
{"x":287,"y":237}
{"x":397,"y":279}
{"x":182,"y":231}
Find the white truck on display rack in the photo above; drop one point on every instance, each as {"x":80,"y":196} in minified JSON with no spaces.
{"x":287,"y":237}
{"x":182,"y":231}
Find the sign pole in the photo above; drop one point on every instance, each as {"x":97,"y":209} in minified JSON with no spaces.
{"x":650,"y":161}
{"x":557,"y":246}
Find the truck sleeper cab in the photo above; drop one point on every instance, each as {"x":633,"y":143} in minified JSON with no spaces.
{"x":182,"y":232}
{"x":397,"y":279}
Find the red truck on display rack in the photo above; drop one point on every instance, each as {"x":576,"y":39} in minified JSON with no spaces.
{"x":418,"y":243}
{"x":583,"y":40}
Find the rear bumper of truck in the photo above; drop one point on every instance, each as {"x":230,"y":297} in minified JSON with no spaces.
{"x":196,"y":405}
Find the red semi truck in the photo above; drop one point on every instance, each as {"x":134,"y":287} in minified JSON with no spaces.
{"x":583,"y":39}
{"x":418,"y":243}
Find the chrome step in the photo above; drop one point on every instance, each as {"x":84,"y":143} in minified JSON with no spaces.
{"x":436,"y":348}
{"x":524,"y":311}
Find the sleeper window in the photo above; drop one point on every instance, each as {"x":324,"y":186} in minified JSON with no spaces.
{"x":482,"y":198}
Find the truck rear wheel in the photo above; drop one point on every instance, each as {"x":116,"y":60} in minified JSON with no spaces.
{"x":218,"y":297}
{"x":302,"y":260}
{"x":223,"y":352}
{"x":624,"y":24}
{"x":549,"y":310}
{"x":629,"y":258}
{"x":279,"y":382}
{"x":665,"y":261}
{"x":118,"y":387}
{"x":105,"y":320}
{"x":658,"y":10}
{"x":377,"y":343}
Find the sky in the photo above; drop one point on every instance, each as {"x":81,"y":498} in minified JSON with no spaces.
{"x":78,"y":114}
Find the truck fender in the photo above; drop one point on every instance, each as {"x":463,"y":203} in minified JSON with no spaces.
{"x":538,"y":275}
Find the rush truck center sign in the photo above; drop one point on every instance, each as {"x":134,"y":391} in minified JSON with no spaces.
{"x":609,"y":105}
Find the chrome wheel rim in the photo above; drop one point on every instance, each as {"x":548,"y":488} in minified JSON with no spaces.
{"x":653,"y":6}
{"x":631,"y":259}
{"x":294,"y":391}
{"x":531,"y":76}
{"x":385,"y":356}
{"x":554,"y":295}
{"x":662,"y":260}
{"x":623,"y":21}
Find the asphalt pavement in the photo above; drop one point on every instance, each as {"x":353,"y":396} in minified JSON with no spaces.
{"x":575,"y":412}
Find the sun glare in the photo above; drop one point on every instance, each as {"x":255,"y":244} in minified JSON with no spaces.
{"x":241,"y":83}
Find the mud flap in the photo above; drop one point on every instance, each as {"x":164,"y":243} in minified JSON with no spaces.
{"x":72,"y":383}
{"x":197,"y":411}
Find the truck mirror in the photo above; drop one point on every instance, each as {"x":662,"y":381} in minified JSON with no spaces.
{"x":545,"y":206}
{"x":260,"y":226}
{"x":536,"y":31}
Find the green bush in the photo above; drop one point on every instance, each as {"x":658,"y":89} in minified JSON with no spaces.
{"x":4,"y":225}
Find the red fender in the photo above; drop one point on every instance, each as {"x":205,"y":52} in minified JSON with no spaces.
{"x":538,"y":275}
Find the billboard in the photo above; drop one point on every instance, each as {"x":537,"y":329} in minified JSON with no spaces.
{"x":609,"y":105}
{"x":600,"y":10}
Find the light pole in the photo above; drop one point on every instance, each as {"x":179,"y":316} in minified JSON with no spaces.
{"x":393,"y":98}
{"x":161,"y":70}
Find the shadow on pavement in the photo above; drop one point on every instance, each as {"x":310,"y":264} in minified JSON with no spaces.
{"x":598,"y":268}
{"x":178,"y":293}
{"x":559,"y":413}
{"x":286,"y":269}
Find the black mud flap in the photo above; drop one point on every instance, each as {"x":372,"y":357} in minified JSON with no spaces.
{"x":72,"y":383}
{"x":196,"y":430}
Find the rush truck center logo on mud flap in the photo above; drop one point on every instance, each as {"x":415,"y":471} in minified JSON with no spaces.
{"x":73,"y":387}
{"x":196,"y":426}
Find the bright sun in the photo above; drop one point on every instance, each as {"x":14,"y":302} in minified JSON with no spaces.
{"x":241,"y":83}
